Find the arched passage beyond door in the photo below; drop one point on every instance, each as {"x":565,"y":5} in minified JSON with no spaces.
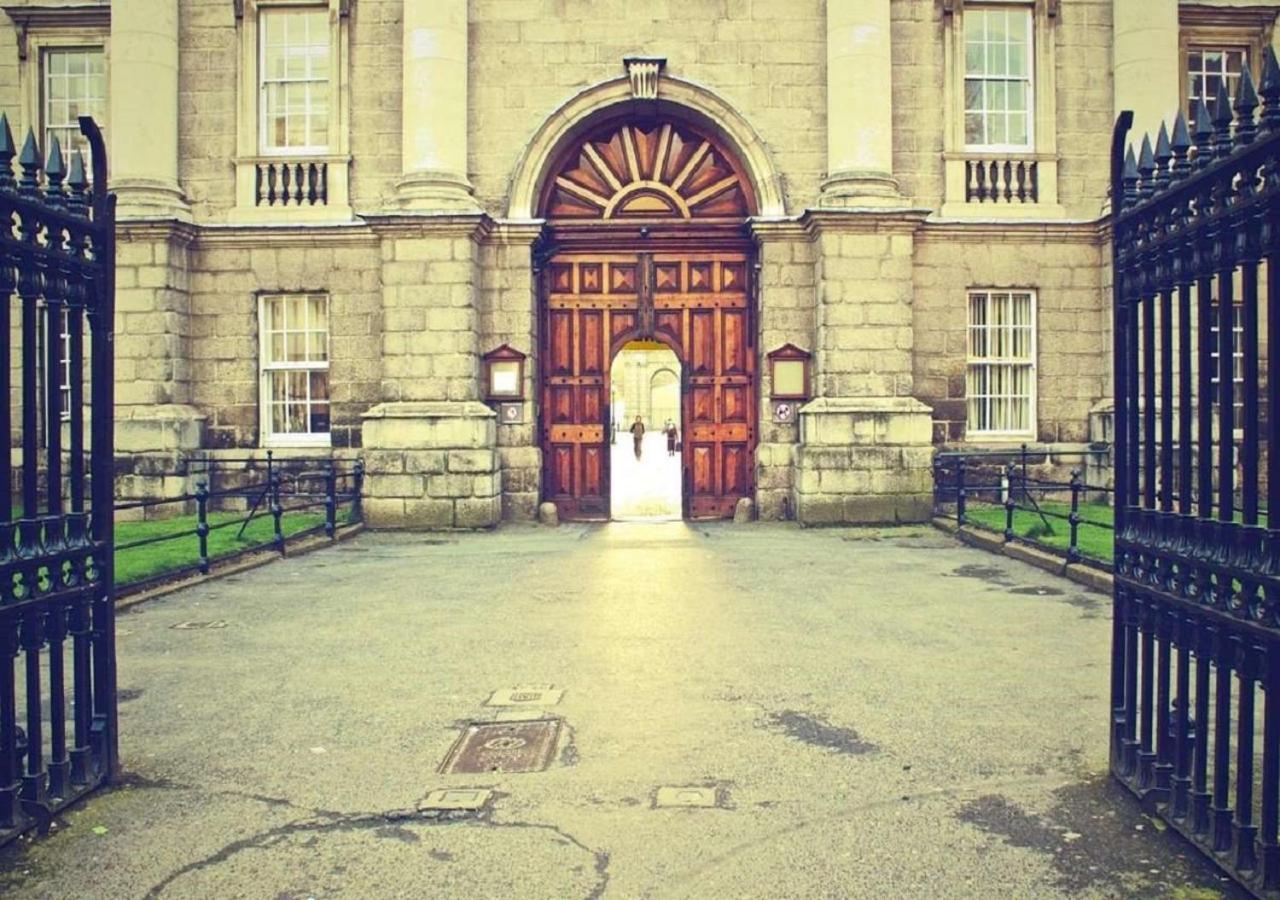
{"x":646,"y":242}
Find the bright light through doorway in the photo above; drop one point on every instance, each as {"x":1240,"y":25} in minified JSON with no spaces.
{"x":645,"y":478}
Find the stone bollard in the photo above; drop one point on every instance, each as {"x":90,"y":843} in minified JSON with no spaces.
{"x":548,"y":515}
{"x":743,"y":512}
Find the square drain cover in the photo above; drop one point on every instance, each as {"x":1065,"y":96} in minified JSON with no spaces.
{"x":503,"y":747}
{"x":456,"y":799}
{"x":526,"y":695}
{"x":685,"y":796}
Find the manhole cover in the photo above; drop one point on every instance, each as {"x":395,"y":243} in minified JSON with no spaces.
{"x":503,"y":747}
{"x":526,"y":695}
{"x":685,"y":796}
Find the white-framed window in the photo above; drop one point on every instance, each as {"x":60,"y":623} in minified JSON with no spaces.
{"x":1210,"y":67}
{"x":1237,"y":359}
{"x":294,"y":363}
{"x":73,"y":83}
{"x":999,"y":62}
{"x":42,"y":370}
{"x":1000,"y":380}
{"x":295,"y":64}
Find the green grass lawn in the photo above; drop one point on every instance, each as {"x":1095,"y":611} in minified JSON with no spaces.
{"x":1093,"y":541}
{"x":138,"y":563}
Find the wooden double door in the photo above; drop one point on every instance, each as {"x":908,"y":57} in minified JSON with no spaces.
{"x":699,"y":304}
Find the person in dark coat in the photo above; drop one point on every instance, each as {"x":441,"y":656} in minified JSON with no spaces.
{"x":637,"y":434}
{"x":672,"y":435}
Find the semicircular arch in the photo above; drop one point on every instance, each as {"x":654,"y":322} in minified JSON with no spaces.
{"x":678,"y":100}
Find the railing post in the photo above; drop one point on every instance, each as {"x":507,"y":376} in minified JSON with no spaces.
{"x":1009,"y":503}
{"x":357,"y":491}
{"x":277,"y":509}
{"x":1024,"y":472}
{"x":1073,"y":549}
{"x":330,"y":502}
{"x":960,"y":492}
{"x":202,"y":524}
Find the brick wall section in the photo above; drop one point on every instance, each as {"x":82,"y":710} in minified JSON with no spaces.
{"x":918,"y":95}
{"x":1072,"y":321}
{"x":429,"y":318}
{"x":376,"y":86}
{"x":530,"y":56}
{"x":506,"y":316}
{"x":209,"y":57}
{"x":226,"y":283}
{"x":10,"y":98}
{"x":1085,"y":99}
{"x":786,"y":315}
{"x":153,"y":330}
{"x":864,"y":310}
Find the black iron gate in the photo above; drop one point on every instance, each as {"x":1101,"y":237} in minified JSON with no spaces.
{"x":1195,"y":683}
{"x":57,"y":623}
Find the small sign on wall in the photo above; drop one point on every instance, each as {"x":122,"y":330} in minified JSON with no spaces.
{"x":510,"y":413}
{"x":784,"y":411}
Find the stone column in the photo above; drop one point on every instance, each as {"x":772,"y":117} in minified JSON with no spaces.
{"x":144,"y":110}
{"x":434,"y":107}
{"x":1145,"y":61}
{"x":859,"y":106}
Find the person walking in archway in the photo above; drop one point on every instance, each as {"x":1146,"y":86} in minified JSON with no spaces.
{"x":637,"y":434}
{"x":672,"y":435}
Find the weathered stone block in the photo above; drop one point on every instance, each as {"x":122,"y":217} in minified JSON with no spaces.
{"x":379,"y":484}
{"x":478,"y":513}
{"x":471,"y":461}
{"x":449,"y":486}
{"x":428,"y":514}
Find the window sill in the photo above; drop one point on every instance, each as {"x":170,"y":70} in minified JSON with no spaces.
{"x":298,"y":442}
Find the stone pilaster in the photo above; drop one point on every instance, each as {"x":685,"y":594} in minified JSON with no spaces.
{"x":1145,"y":63}
{"x":865,"y":442}
{"x":434,"y":110}
{"x":786,"y":315}
{"x":144,"y":132}
{"x":859,"y":106}
{"x":507,"y":316}
{"x":430,"y":277}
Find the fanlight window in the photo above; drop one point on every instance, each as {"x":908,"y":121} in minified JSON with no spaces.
{"x":663,"y":171}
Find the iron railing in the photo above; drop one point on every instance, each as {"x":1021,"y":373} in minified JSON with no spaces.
{"x":58,"y":737}
{"x":271,"y":488}
{"x":1196,"y":625}
{"x":987,"y":490}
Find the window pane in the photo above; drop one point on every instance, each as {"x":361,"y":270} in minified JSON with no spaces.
{"x":1017,"y":59}
{"x":974,"y":59}
{"x":974,"y":133}
{"x":1018,"y":129}
{"x":973,"y":94}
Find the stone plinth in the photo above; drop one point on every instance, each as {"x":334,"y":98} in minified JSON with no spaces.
{"x":431,"y":465}
{"x":153,"y":446}
{"x":863,"y":460}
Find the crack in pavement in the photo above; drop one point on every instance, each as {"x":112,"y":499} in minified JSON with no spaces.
{"x":335,"y":822}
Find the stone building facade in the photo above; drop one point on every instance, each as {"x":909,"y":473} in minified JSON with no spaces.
{"x":333,"y":210}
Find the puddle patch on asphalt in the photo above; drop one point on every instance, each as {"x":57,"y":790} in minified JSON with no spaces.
{"x":818,"y":732}
{"x":1035,"y":591}
{"x":1096,"y":835}
{"x":989,"y":574}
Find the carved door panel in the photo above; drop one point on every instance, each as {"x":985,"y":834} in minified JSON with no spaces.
{"x":701,"y":302}
{"x":590,"y":300}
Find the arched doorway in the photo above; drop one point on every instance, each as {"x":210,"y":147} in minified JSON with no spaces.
{"x":646,"y":479}
{"x":645,"y":241}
